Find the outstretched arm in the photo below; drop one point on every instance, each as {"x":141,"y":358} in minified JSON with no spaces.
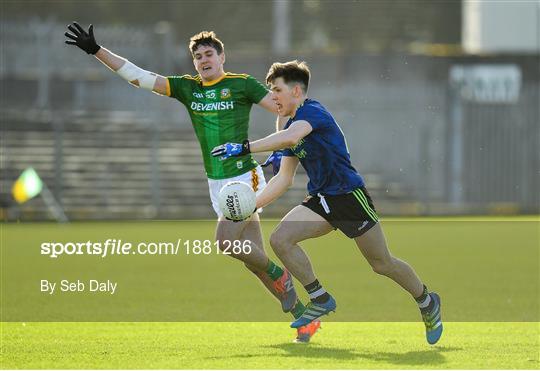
{"x":283,"y":138}
{"x":127,"y":70}
{"x":279,"y":140}
{"x":280,"y":183}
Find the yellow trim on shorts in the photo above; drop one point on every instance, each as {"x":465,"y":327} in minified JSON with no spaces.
{"x":361,"y":198}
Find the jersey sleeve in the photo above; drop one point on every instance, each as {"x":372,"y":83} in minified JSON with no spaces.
{"x":255,"y":91}
{"x":179,"y":85}
{"x":314,"y":116}
{"x":288,"y":153}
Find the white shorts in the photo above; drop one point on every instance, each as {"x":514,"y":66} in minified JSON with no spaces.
{"x":254,"y":177}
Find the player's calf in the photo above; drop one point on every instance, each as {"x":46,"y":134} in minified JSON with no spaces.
{"x":283,"y":285}
{"x":384,"y":268}
{"x":280,"y":243}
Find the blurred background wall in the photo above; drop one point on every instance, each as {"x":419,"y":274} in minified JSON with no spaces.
{"x":439,"y":101}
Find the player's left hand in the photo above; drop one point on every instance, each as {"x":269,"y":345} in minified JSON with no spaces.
{"x":224,"y":151}
{"x":275,"y":160}
{"x":84,"y":40}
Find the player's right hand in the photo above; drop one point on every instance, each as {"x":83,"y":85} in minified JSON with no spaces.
{"x":242,"y":220}
{"x":84,"y":40}
{"x":224,"y":151}
{"x":275,"y":160}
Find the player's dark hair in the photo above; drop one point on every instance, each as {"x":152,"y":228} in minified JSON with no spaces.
{"x":206,"y":38}
{"x":291,"y":72}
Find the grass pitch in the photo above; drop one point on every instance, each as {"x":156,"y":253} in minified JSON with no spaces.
{"x":267,"y":346}
{"x":207,"y":312}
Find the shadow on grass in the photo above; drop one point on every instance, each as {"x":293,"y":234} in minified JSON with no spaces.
{"x":432,"y":356}
{"x":428,"y":356}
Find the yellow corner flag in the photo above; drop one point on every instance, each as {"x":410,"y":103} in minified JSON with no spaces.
{"x":27,"y":186}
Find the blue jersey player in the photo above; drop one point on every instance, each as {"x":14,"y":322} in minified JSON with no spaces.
{"x":337,"y":197}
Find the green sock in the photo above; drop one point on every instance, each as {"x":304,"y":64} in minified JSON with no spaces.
{"x":298,"y":309}
{"x":273,"y":270}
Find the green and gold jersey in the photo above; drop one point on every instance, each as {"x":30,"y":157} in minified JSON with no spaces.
{"x":219,"y":113}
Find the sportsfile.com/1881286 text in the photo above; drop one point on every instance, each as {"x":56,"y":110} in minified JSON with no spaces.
{"x":111,"y":247}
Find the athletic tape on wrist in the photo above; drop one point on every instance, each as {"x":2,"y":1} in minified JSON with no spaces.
{"x":131,"y":72}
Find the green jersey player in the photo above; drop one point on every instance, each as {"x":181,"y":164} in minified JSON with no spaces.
{"x":219,"y":109}
{"x":218,"y":104}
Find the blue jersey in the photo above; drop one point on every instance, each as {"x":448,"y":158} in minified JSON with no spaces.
{"x":323,"y":152}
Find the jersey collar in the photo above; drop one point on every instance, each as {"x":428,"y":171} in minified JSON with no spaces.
{"x":213,"y":82}
{"x":297,"y":108}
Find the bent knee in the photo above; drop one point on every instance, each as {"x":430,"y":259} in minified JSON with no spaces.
{"x":225,"y":237}
{"x":279,"y":242}
{"x":383,"y":267}
{"x":224,"y":241}
{"x":220,"y":239}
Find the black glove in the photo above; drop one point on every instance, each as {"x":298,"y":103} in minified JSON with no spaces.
{"x":81,"y":38}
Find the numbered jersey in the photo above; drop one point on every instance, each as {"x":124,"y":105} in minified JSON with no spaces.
{"x":219,"y":113}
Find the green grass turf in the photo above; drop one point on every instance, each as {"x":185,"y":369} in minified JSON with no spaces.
{"x":266,"y":346}
{"x":490,"y":265}
{"x":486,"y":271}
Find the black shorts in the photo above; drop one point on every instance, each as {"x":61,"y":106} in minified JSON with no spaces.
{"x":352,"y":213}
